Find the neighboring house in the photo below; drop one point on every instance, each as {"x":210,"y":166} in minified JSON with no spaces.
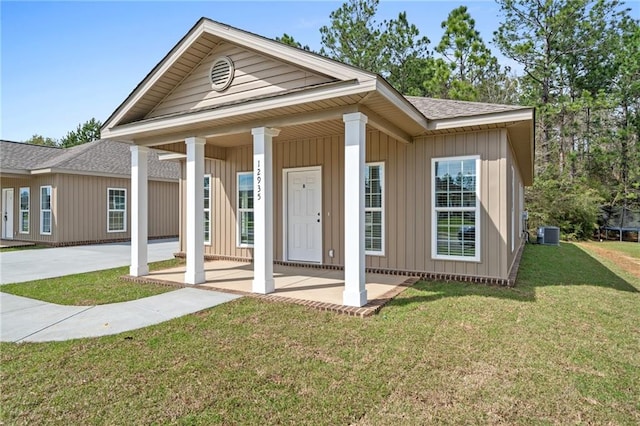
{"x":78,"y":195}
{"x":294,"y":157}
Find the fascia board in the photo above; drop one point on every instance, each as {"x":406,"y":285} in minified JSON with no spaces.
{"x":402,"y":103}
{"x":129,"y":130}
{"x":96,"y":174}
{"x":14,"y":172}
{"x":481,"y":120}
{"x":166,"y":63}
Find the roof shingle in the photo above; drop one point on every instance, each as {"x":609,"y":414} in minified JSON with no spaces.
{"x":438,"y":109}
{"x":101,"y":156}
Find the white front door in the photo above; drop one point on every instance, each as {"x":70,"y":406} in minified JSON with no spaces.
{"x":304,"y":215}
{"x":7,"y":213}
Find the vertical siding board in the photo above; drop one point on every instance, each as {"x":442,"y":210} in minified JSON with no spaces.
{"x":410,"y":206}
{"x":400,"y":186}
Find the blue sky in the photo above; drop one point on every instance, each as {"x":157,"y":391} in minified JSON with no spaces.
{"x":63,"y":63}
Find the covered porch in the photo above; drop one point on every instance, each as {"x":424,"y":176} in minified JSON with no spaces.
{"x":319,"y":288}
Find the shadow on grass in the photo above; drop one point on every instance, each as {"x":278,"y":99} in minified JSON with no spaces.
{"x":541,"y":266}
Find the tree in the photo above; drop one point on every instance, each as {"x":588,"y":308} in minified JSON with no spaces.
{"x":354,"y":37}
{"x":86,"y":132}
{"x":473,"y":71}
{"x":407,"y":54}
{"x":287,"y":39}
{"x":41,"y":140}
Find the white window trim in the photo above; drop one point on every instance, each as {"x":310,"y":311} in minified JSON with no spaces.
{"x":28,"y":210}
{"x":382,"y":209}
{"x":50,"y":188}
{"x":124,"y":222}
{"x":208,"y":242}
{"x":434,"y":211}
{"x":239,"y":210}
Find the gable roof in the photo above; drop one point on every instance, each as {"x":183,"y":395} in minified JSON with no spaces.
{"x":334,"y":83}
{"x":100,"y":157}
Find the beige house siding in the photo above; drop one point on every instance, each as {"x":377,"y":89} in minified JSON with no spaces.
{"x":254,"y":73}
{"x":79,"y":208}
{"x":407,"y":198}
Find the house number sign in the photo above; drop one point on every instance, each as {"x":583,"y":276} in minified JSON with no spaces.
{"x":259,"y":181}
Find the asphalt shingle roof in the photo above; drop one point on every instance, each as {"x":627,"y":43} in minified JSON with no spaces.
{"x":22,"y":156}
{"x":101,"y":156}
{"x":438,"y":109}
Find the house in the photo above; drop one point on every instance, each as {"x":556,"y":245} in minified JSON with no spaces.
{"x":81,"y":195}
{"x":292,"y":157}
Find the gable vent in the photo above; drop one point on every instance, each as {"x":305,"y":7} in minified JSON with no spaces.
{"x":221,"y":73}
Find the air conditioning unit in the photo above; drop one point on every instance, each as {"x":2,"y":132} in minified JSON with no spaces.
{"x":549,"y":235}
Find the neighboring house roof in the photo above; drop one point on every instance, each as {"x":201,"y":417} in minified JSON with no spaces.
{"x":101,"y":157}
{"x":438,"y":109}
{"x":22,"y":156}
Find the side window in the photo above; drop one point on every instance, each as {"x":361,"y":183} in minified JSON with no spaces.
{"x":116,"y":210}
{"x":25,"y":201}
{"x":45,"y":210}
{"x":245,"y":209}
{"x":207,"y":209}
{"x":456,"y":208}
{"x":374,"y":209}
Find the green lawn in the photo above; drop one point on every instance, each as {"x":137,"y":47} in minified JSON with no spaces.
{"x":93,"y":288}
{"x":560,"y":348}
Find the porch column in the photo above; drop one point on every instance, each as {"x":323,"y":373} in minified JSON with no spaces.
{"x":263,"y":209}
{"x":355,"y":292}
{"x":195,"y":211}
{"x":139,"y":211}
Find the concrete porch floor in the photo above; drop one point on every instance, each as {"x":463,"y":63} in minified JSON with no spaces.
{"x":314,"y":287}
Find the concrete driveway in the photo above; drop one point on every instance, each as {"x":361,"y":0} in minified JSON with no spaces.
{"x":27,"y":265}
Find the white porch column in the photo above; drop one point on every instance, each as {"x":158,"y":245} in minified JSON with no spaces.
{"x":355,"y":292}
{"x":195,"y":211}
{"x":139,"y":211}
{"x":263,"y":209}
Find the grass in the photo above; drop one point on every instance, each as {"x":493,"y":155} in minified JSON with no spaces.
{"x":560,"y":348}
{"x":93,"y":288}
{"x":22,"y":248}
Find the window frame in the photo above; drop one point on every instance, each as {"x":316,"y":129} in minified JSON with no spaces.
{"x":22,"y":211}
{"x":239,"y":211}
{"x":380,"y":209}
{"x":207,"y":177}
{"x":435,"y":210}
{"x":49,"y":210}
{"x":110,"y":210}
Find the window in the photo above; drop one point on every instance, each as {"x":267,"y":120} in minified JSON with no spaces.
{"x":513,"y":208}
{"x":374,"y":209}
{"x":245,"y":209}
{"x":45,"y":210}
{"x":24,"y":210}
{"x":116,"y":210}
{"x":456,"y":225}
{"x":207,"y":209}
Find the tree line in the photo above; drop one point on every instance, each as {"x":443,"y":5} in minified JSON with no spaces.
{"x":579,"y":66}
{"x":86,"y":132}
{"x":580,"y":69}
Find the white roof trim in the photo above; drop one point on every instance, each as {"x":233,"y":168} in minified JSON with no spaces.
{"x":481,"y":120}
{"x":162,"y":123}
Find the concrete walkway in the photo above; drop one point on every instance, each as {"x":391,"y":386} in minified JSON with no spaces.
{"x":27,"y":265}
{"x":28,"y":320}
